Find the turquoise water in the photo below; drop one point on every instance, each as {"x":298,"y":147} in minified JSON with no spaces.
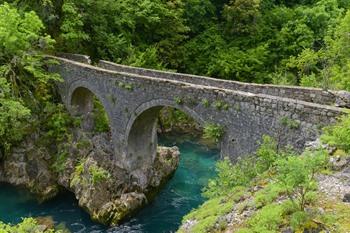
{"x":164,"y":214}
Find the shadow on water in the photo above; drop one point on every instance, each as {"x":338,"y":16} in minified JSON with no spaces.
{"x":164,"y":214}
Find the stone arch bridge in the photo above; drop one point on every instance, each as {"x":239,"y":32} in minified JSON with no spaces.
{"x":133,"y":97}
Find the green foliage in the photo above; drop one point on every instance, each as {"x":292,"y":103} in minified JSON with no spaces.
{"x":268,"y":195}
{"x":339,"y":134}
{"x":267,"y":154}
{"x":268,"y":219}
{"x":241,"y":16}
{"x":58,"y":122}
{"x":296,"y":174}
{"x":86,"y":174}
{"x":72,"y":35}
{"x":126,"y":86}
{"x":178,"y":100}
{"x":206,"y":103}
{"x":25,"y":86}
{"x":289,"y":123}
{"x":208,"y":214}
{"x":298,"y":220}
{"x":229,"y":177}
{"x":98,"y":174}
{"x":285,"y":42}
{"x":174,"y":119}
{"x":287,"y":193}
{"x":77,"y":177}
{"x":28,"y":225}
{"x":221,"y":105}
{"x":100,"y":117}
{"x":59,"y":164}
{"x":213,"y":132}
{"x":13,"y":117}
{"x":243,"y":171}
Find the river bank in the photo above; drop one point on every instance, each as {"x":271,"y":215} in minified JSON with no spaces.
{"x":164,"y":214}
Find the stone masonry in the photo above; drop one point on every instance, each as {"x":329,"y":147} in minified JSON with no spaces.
{"x":133,"y":97}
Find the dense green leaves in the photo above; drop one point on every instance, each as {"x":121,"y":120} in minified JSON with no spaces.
{"x":23,"y":80}
{"x":28,"y":225}
{"x":300,"y":42}
{"x":339,"y":135}
{"x":13,"y":116}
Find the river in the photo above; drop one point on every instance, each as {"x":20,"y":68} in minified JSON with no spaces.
{"x":181,"y":194}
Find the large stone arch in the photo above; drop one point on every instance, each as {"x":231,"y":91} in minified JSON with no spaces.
{"x":141,"y":132}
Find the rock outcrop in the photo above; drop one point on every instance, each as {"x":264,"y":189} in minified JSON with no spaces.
{"x":29,"y":165}
{"x":87,"y":168}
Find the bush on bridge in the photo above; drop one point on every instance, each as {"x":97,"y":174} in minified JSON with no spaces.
{"x":213,"y":132}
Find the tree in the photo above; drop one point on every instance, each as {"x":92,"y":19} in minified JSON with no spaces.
{"x":241,"y":16}
{"x":24,"y":83}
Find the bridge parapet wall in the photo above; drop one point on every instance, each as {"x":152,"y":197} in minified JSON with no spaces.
{"x":313,"y":95}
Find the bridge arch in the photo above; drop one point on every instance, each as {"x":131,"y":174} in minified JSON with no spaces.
{"x":82,"y":102}
{"x":141,"y":131}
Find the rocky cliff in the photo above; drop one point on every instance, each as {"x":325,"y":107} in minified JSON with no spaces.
{"x":86,"y":167}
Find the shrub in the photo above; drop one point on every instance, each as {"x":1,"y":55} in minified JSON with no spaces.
{"x":213,"y":132}
{"x":289,"y":123}
{"x":98,"y":174}
{"x":243,"y":171}
{"x":178,"y":100}
{"x":206,"y":103}
{"x":58,"y":122}
{"x":268,"y":219}
{"x":230,"y":176}
{"x":26,"y":226}
{"x":296,"y":174}
{"x":339,"y":134}
{"x":267,"y":153}
{"x":221,"y":105}
{"x":100,"y":118}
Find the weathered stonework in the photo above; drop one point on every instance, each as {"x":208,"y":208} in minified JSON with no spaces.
{"x":133,"y":97}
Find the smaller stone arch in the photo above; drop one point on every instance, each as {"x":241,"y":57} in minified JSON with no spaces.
{"x":141,"y":132}
{"x":81,"y":103}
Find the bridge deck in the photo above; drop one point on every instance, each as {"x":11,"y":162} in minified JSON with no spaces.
{"x":314,"y":95}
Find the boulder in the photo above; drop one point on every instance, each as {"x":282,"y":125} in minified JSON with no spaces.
{"x":342,"y":99}
{"x":339,"y":162}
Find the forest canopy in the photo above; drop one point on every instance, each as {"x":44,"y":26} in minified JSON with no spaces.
{"x":300,"y":42}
